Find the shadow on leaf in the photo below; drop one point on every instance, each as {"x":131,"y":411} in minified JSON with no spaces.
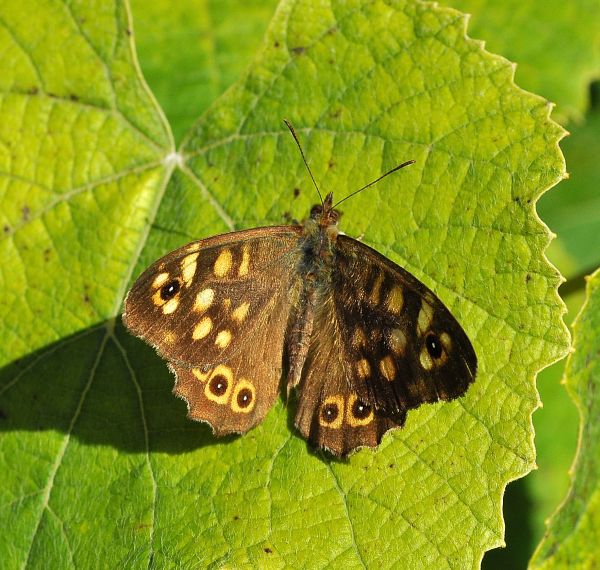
{"x":103,"y":387}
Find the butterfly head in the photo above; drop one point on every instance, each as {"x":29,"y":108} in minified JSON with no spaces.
{"x":324,"y":214}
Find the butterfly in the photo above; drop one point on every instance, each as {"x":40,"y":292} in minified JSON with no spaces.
{"x":360,"y":339}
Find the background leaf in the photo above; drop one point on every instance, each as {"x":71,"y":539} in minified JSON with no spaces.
{"x":572,"y":537}
{"x":191,"y":51}
{"x":555,"y":44}
{"x":81,"y":144}
{"x":98,"y":460}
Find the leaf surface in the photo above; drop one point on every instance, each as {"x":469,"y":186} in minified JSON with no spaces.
{"x":555,"y":44}
{"x":572,"y":539}
{"x":98,"y":461}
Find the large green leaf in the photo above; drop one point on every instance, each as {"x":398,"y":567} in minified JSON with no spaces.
{"x":81,"y":147}
{"x":192,"y":51}
{"x":99,"y":465}
{"x":575,"y":213}
{"x":573,"y":538}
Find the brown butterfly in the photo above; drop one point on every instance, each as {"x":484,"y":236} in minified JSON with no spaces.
{"x":360,"y":338}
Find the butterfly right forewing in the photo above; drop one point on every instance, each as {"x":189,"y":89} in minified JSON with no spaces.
{"x":403,"y":346}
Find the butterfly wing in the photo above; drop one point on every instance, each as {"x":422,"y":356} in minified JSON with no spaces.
{"x":382,"y":344}
{"x":217,"y":310}
{"x":404,"y":347}
{"x":330,"y":413}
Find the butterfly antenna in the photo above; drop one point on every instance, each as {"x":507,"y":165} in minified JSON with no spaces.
{"x":408,"y":162}
{"x":289,"y":126}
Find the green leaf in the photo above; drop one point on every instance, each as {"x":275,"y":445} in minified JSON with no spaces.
{"x":572,"y":539}
{"x":575,"y":213}
{"x":97,"y":459}
{"x":192,"y":51}
{"x":555,"y":45}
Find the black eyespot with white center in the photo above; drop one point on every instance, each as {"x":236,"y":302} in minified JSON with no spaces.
{"x":360,"y":410}
{"x":244,"y":397}
{"x":330,"y":412}
{"x":218,"y":385}
{"x":169,"y":290}
{"x":434,"y":346}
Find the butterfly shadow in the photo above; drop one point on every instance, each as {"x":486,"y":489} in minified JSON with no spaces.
{"x":103,"y":387}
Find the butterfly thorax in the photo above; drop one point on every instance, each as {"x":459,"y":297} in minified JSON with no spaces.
{"x":321,"y":231}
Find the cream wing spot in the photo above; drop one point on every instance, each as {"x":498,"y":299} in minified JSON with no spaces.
{"x":359,"y":338}
{"x":204,"y":300}
{"x":425,"y":318}
{"x":223,"y":339}
{"x":395,"y":300}
{"x":397,"y":341}
{"x":160,"y":280}
{"x":245,"y":264}
{"x":170,"y":306}
{"x":374,"y":295}
{"x":202,"y":376}
{"x":388,"y":368}
{"x":363,"y":368}
{"x":188,"y":268}
{"x":426,"y":360}
{"x":446,"y":341}
{"x":202,"y":329}
{"x":157,"y":299}
{"x":240,"y":313}
{"x":223,"y":263}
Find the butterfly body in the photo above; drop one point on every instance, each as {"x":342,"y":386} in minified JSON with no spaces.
{"x":360,"y":339}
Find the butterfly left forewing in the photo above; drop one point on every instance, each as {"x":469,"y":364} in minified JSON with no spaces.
{"x":403,"y":346}
{"x":206,"y":301}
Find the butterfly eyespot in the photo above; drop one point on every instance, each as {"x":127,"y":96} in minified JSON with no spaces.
{"x":360,"y":410}
{"x":330,"y":412}
{"x":218,"y":385}
{"x":169,"y":290}
{"x":244,"y":397}
{"x":434,"y":346}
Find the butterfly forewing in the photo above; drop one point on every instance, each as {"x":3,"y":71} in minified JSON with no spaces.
{"x":204,"y":302}
{"x":402,"y":346}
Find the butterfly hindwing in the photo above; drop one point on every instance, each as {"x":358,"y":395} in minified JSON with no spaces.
{"x":236,"y":394}
{"x":404,"y":348}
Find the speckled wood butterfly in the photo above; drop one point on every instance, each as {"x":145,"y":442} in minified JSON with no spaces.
{"x":360,"y":338}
